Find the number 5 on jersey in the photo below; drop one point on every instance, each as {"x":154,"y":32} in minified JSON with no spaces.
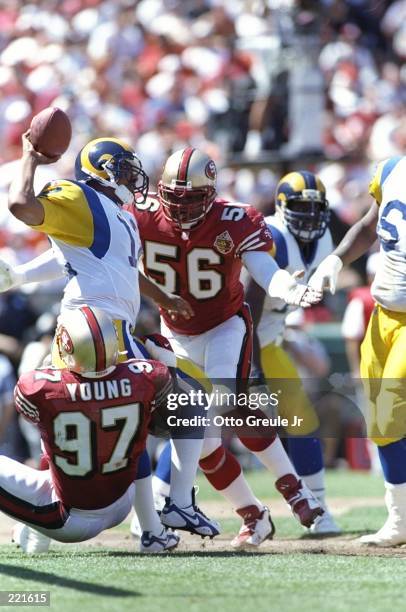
{"x":203,"y":283}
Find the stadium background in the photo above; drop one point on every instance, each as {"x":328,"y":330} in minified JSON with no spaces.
{"x":263,"y":86}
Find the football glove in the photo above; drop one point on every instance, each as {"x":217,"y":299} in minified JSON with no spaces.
{"x":284,"y":286}
{"x":326,"y":274}
{"x":8,"y":278}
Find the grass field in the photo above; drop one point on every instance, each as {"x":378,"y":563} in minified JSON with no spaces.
{"x":292,"y":572}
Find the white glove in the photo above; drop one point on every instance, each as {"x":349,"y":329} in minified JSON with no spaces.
{"x":8,"y":277}
{"x":285,"y":287}
{"x":326,"y":274}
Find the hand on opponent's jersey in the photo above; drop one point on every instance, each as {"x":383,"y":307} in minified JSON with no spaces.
{"x":326,"y":274}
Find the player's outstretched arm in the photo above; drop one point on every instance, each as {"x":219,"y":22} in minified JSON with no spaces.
{"x":279,"y":283}
{"x":355,"y":243}
{"x":174,"y":304}
{"x":43,"y":268}
{"x":22,"y":202}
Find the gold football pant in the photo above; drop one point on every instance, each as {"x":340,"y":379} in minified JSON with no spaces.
{"x":383,"y":372}
{"x":293,"y":400}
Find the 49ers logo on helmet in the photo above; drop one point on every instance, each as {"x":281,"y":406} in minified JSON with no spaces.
{"x":66,"y":341}
{"x":210,"y":170}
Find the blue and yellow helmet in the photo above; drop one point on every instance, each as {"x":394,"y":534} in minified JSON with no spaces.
{"x":113,"y":163}
{"x":301,"y":202}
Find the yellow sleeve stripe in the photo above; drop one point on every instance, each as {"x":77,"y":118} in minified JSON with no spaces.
{"x":375,"y":184}
{"x":74,"y":214}
{"x":67,"y":215}
{"x":382,"y":172}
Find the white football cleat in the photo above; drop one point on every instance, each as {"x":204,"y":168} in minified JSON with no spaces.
{"x":393,"y":532}
{"x":190,"y":519}
{"x":29,"y":540}
{"x":325,"y":525}
{"x":165,"y":542}
{"x":256,"y":528}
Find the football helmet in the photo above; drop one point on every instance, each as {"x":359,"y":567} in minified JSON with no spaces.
{"x":87,"y":340}
{"x":113,"y":163}
{"x":302,"y":204}
{"x":187,"y":188}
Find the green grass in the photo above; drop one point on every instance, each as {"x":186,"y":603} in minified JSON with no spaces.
{"x":86,"y":579}
{"x":117,"y":580}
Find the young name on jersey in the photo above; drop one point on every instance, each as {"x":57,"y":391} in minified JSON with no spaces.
{"x":93,"y":431}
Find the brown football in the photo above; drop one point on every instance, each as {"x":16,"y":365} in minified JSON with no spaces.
{"x":51,"y":131}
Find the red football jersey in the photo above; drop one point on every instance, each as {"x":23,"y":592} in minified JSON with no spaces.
{"x":93,"y":429}
{"x":202,"y":265}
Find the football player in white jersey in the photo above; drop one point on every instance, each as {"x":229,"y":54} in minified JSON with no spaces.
{"x":383,"y":363}
{"x":301,"y":241}
{"x":98,"y":244}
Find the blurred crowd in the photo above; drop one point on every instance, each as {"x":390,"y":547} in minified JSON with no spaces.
{"x":263,"y":86}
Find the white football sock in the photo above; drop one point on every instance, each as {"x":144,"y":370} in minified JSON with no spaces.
{"x":240,"y":495}
{"x":184,"y":462}
{"x":144,"y":506}
{"x":315,"y":482}
{"x":276,"y":460}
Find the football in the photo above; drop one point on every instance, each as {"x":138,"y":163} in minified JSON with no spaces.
{"x":50,"y":131}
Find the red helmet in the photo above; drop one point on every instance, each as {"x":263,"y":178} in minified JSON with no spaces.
{"x":187,"y":188}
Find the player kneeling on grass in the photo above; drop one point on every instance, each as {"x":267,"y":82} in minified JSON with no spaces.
{"x":94,"y":418}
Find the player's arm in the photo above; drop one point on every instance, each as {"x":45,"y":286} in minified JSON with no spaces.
{"x":45,"y":267}
{"x":24,"y":397}
{"x":253,"y":250}
{"x":278,"y":283}
{"x":22,"y":202}
{"x":355,"y":243}
{"x":174,"y":304}
{"x":163,"y":383}
{"x":255,"y":297}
